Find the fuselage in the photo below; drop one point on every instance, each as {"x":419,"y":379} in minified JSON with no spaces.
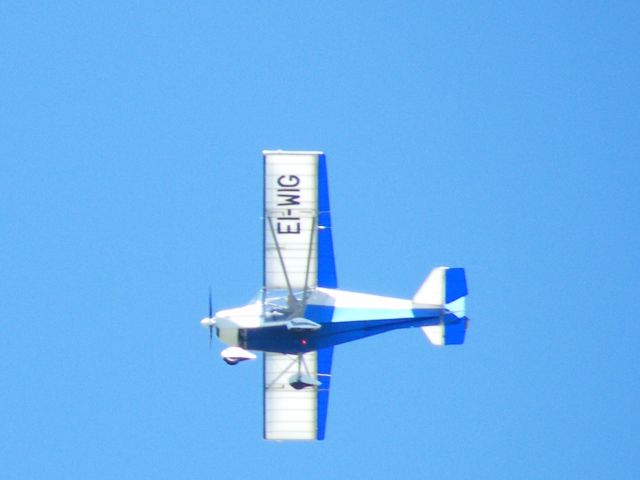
{"x":340,"y":316}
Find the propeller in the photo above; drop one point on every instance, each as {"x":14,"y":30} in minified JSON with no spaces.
{"x":209,"y":321}
{"x":210,"y":316}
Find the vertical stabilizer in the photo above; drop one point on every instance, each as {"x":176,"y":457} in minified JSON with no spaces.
{"x":447,"y":288}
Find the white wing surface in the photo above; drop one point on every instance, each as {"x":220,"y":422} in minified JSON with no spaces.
{"x":289,"y":414}
{"x":290,"y":219}
{"x":292,"y":197}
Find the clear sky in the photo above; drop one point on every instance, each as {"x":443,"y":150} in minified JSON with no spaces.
{"x":498,"y":136}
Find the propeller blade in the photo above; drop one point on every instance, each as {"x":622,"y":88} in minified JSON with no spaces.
{"x":210,"y":317}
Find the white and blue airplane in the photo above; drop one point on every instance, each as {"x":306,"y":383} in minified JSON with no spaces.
{"x":300,"y":314}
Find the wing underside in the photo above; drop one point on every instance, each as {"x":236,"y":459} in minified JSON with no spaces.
{"x":298,"y":256}
{"x":291,"y":211}
{"x":289,"y":414}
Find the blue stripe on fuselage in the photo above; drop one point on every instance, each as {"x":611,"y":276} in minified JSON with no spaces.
{"x":281,"y":340}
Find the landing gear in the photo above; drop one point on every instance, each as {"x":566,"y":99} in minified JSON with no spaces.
{"x":301,"y":380}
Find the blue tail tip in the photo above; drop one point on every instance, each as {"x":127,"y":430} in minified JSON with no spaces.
{"x":456,"y":284}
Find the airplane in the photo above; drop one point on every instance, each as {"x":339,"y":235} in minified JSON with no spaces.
{"x":300,"y":315}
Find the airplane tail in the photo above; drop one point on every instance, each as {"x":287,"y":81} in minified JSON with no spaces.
{"x":447,"y":288}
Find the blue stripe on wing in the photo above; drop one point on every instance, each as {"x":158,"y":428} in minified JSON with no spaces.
{"x":325,"y":356}
{"x":327,"y":278}
{"x":326,"y":262}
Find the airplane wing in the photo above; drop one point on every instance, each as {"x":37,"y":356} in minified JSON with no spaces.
{"x":298,"y":255}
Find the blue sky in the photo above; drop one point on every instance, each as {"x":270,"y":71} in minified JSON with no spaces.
{"x":498,"y":136}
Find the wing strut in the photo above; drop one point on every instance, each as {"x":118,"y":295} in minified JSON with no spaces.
{"x":314,"y":222}
{"x":292,"y":299}
{"x":267,"y":387}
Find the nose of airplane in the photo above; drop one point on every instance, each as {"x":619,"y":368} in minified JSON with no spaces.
{"x":208,"y":322}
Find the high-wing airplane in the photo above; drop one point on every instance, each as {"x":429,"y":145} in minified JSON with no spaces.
{"x":300,"y":314}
